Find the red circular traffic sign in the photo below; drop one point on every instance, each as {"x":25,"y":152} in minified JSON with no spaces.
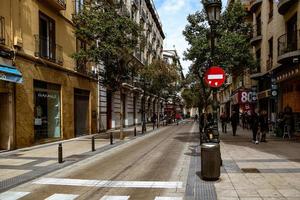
{"x":215,"y":77}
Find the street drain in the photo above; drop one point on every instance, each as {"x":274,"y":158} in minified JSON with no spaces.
{"x":250,"y":170}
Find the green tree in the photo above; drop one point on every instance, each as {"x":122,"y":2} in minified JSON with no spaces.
{"x":110,"y":38}
{"x":232,"y":48}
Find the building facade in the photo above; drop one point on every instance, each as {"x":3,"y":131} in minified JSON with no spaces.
{"x":124,"y":108}
{"x":45,"y":95}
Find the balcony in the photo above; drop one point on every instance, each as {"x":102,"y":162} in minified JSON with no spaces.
{"x":124,"y":11}
{"x":143,"y":15}
{"x":284,"y":6}
{"x":56,"y":4}
{"x":269,"y":63}
{"x":2,"y":30}
{"x":48,"y":50}
{"x":135,"y":3}
{"x":254,"y":5}
{"x":256,"y":34}
{"x":289,"y":47}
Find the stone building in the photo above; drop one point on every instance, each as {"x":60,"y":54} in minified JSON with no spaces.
{"x":44,"y":95}
{"x":277,"y":48}
{"x":129,"y":99}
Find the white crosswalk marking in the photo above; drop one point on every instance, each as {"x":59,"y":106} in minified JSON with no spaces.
{"x":12,"y":195}
{"x":62,"y":197}
{"x":168,"y":198}
{"x":115,"y":198}
{"x":109,"y":184}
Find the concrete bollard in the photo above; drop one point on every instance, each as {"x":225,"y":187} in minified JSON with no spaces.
{"x":60,"y":153}
{"x":93,"y":143}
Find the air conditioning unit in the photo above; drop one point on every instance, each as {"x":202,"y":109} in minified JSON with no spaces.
{"x":18,"y":42}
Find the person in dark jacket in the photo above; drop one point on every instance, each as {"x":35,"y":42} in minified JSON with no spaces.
{"x":201,"y":122}
{"x":234,"y":122}
{"x":223,"y":119}
{"x":263,"y":125}
{"x":254,"y":126}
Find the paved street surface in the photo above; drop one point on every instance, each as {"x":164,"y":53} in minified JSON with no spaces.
{"x":161,"y":165}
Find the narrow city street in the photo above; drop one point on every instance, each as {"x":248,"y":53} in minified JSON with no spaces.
{"x":148,"y":167}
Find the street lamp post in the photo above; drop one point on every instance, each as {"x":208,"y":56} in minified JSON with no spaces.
{"x":213,"y":11}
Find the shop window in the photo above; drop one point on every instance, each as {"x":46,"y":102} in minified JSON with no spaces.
{"x":47,"y":110}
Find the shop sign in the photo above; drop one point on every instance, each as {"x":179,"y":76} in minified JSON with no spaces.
{"x":254,"y":93}
{"x":246,"y":97}
{"x":45,"y":95}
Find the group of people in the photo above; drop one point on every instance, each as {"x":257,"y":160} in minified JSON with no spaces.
{"x":175,"y":117}
{"x":258,"y":123}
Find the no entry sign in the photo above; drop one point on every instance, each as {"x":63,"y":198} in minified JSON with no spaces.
{"x":215,"y":76}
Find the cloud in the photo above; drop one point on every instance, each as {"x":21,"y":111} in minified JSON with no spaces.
{"x":173,"y":14}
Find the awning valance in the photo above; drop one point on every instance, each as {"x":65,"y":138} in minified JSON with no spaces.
{"x":10,"y":73}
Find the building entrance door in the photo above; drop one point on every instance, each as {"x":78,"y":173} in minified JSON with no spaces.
{"x":4,"y":121}
{"x":81,"y":111}
{"x":109,"y":110}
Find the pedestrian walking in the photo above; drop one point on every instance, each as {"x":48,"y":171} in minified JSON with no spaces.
{"x":196,"y":118}
{"x":234,"y":122}
{"x":201,"y":122}
{"x":178,"y":117}
{"x":153,"y":119}
{"x":224,"y":120}
{"x":254,"y":127}
{"x":263,"y":125}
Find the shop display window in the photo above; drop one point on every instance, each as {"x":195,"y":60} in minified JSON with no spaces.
{"x":47,"y":112}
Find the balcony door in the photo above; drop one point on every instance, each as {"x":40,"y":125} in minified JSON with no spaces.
{"x":291,"y":26}
{"x":46,"y":37}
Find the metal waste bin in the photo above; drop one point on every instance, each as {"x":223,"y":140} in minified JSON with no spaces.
{"x":210,"y":161}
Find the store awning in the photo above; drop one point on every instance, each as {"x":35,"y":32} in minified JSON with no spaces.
{"x":10,"y":73}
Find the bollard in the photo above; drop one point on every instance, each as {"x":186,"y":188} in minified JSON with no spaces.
{"x":111,"y":138}
{"x":134,"y":132}
{"x":93,"y":143}
{"x":60,"y":153}
{"x":153,"y":126}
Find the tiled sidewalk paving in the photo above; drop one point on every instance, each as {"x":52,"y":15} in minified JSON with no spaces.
{"x":265,"y":171}
{"x":22,"y":165}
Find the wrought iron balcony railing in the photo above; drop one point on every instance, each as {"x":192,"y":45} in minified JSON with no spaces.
{"x":45,"y":48}
{"x":288,"y":42}
{"x":256,"y":30}
{"x":2,"y":30}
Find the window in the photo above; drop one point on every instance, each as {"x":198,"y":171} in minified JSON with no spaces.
{"x":79,"y":5}
{"x":46,"y":110}
{"x":271,"y":5}
{"x":80,"y":64}
{"x":46,"y":37}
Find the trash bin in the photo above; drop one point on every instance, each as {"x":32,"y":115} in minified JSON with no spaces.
{"x":210,"y":161}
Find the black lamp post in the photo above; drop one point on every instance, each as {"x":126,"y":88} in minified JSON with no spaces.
{"x":213,"y":11}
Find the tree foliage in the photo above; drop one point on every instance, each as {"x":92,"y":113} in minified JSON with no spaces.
{"x":110,"y":40}
{"x":232,"y":48}
{"x":163,"y":78}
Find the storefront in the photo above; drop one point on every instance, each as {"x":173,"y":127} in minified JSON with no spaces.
{"x":9,"y":75}
{"x":47,"y":111}
{"x":81,"y":110}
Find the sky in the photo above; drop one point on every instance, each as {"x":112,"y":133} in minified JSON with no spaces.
{"x":173,"y":14}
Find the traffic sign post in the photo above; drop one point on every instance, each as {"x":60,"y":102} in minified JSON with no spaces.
{"x":215,"y":77}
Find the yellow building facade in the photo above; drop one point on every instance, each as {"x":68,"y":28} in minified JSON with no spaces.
{"x":53,"y":99}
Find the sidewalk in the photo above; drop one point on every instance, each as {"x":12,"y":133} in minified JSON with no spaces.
{"x":258,"y":171}
{"x":22,"y":165}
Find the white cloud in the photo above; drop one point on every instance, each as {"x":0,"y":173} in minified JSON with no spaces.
{"x":173,"y":14}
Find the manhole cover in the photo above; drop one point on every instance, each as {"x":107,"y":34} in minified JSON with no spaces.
{"x":250,"y":170}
